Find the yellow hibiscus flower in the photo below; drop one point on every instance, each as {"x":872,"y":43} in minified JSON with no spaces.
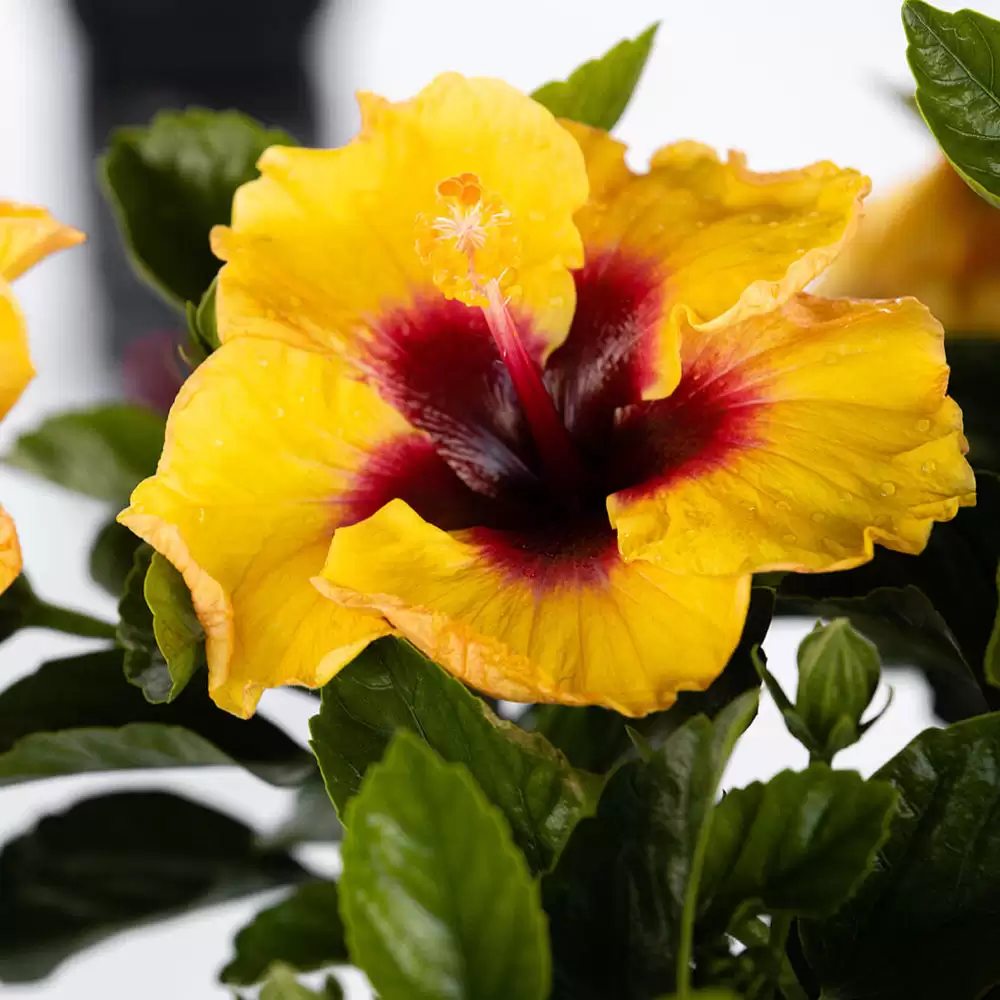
{"x":27,"y":235}
{"x":484,"y":387}
{"x":934,"y":238}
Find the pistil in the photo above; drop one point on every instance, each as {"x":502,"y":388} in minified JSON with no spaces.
{"x":472,"y":248}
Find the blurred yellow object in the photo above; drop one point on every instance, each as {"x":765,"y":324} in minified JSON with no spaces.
{"x":27,"y":235}
{"x":935,"y":239}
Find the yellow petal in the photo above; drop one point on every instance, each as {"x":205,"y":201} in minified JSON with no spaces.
{"x":10,"y":551}
{"x":628,"y":637}
{"x":16,"y":370}
{"x":722,"y":240}
{"x":824,"y":427}
{"x":325,"y":241}
{"x":935,"y":239}
{"x":266,"y":453}
{"x":29,"y":234}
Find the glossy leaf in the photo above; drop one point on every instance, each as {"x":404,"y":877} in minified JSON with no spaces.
{"x":437,"y":900}
{"x":391,"y":686}
{"x":112,"y":557}
{"x":313,"y":818}
{"x":598,"y":92}
{"x":202,"y":328}
{"x":953,"y":58}
{"x":799,"y":844}
{"x":108,"y":864}
{"x":79,"y":715}
{"x":302,"y":932}
{"x":935,"y":610}
{"x":163,"y":640}
{"x":923,"y":924}
{"x":596,"y":738}
{"x":102,"y":452}
{"x":171,"y":181}
{"x":622,"y":901}
{"x":281,"y":984}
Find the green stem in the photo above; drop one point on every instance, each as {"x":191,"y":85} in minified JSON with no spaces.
{"x":50,"y":616}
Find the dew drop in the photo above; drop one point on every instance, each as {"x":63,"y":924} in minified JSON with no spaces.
{"x":819,"y":517}
{"x":928,"y":466}
{"x":923,"y":425}
{"x":846,"y":497}
{"x":783,"y":505}
{"x":831,"y":358}
{"x":773,"y":224}
{"x":887,"y":489}
{"x":201,"y":514}
{"x":789,"y":538}
{"x":880,"y":521}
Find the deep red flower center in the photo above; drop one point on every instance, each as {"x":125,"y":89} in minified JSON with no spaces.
{"x":480,"y":466}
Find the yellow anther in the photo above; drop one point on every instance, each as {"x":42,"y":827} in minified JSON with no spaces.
{"x":468,"y":241}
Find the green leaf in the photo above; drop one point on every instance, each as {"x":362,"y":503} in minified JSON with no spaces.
{"x":622,"y":900}
{"x":923,"y":924}
{"x":171,"y":181}
{"x":202,"y":327}
{"x":103,"y":452}
{"x":178,"y":632}
{"x":112,"y":556}
{"x":303,"y":932}
{"x":437,"y":900}
{"x":799,"y":844}
{"x":163,"y":640}
{"x":596,"y":738}
{"x":391,"y":686}
{"x":313,"y":818}
{"x":108,"y":864}
{"x":953,"y":58}
{"x":79,"y":715}
{"x":935,"y":610}
{"x":598,"y":92}
{"x":704,"y":995}
{"x":281,"y":984}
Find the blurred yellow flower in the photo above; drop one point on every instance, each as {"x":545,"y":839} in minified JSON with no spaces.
{"x":27,"y":235}
{"x":936,"y":239}
{"x":484,"y":387}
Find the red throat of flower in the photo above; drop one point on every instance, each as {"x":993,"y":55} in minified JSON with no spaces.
{"x":472,"y":247}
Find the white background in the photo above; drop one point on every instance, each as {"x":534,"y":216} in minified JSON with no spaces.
{"x":788,"y":81}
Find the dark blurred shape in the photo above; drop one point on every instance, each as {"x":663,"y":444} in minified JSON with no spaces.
{"x":152,"y":371}
{"x":151,"y":54}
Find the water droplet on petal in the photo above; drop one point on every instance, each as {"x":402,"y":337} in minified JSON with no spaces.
{"x":887,"y":489}
{"x":783,"y":505}
{"x":789,"y":538}
{"x":831,"y":357}
{"x":928,"y":466}
{"x":773,"y":224}
{"x":846,"y":497}
{"x":923,"y":425}
{"x":819,"y":517}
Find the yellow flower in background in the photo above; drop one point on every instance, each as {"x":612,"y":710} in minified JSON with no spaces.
{"x":27,"y":235}
{"x":484,"y":387}
{"x":936,"y":239}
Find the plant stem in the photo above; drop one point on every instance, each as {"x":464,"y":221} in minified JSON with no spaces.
{"x":51,"y":616}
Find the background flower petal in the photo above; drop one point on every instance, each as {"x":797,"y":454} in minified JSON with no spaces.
{"x":528,"y":627}
{"x":825,"y":428}
{"x":16,"y":369}
{"x":29,"y":234}
{"x":10,"y":551}
{"x":324,"y":241}
{"x":935,"y":239}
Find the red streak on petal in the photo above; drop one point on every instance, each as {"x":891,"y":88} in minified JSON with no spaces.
{"x":555,"y":447}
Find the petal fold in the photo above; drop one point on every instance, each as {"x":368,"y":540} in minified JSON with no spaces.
{"x":522,"y":625}
{"x":824,"y":428}
{"x":29,"y":234}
